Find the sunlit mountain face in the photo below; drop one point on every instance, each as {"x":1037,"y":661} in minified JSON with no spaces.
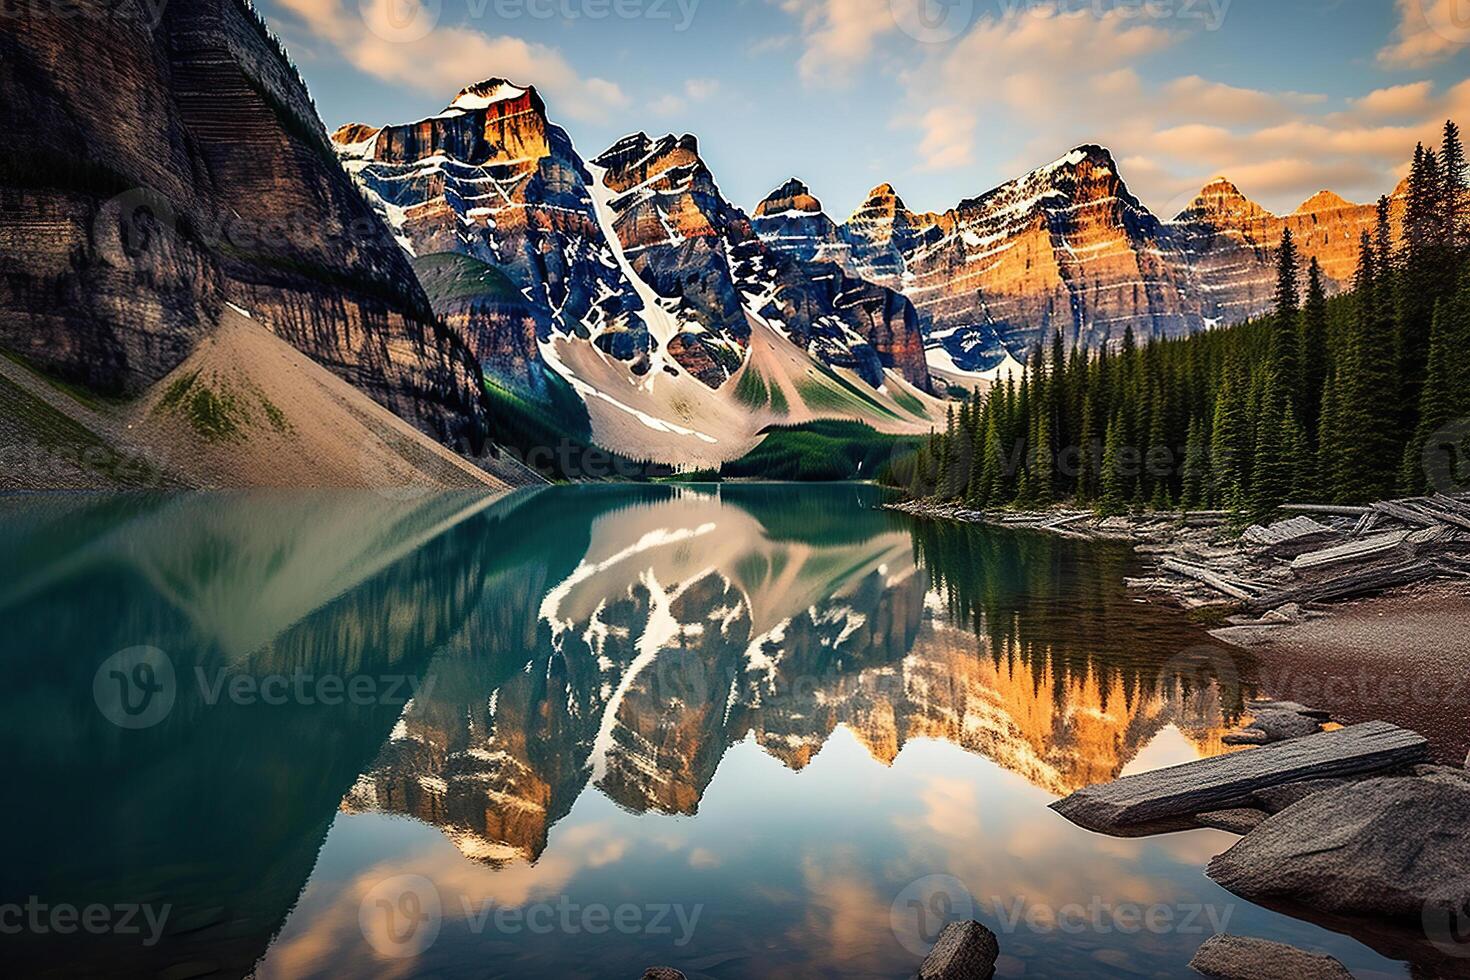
{"x":777,"y":706}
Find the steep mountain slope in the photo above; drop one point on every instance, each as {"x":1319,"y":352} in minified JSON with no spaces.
{"x":245,"y":410}
{"x":687,"y":241}
{"x":1067,"y":247}
{"x":1231,"y":242}
{"x":631,"y":279}
{"x":492,"y":178}
{"x":176,"y":168}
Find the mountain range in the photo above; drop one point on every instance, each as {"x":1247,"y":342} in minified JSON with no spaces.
{"x":179,"y":242}
{"x":632,"y":272}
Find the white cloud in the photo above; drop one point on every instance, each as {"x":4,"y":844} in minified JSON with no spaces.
{"x":839,"y":35}
{"x":695,"y":90}
{"x":1396,"y":101}
{"x":1428,"y":31}
{"x":1032,"y":65}
{"x":1066,"y":79}
{"x":400,"y":41}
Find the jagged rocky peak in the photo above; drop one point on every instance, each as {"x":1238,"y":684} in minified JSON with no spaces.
{"x":790,"y":196}
{"x":1221,"y":199}
{"x":354,"y":133}
{"x":637,"y":159}
{"x":494,"y":121}
{"x":1324,"y":200}
{"x":492,"y":91}
{"x":1086,"y":174}
{"x":492,"y":181}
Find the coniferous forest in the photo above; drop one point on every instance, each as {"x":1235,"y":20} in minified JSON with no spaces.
{"x":1347,"y":399}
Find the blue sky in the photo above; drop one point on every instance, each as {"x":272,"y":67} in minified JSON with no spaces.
{"x":942,"y":98}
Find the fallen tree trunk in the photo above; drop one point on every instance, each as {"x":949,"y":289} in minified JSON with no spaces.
{"x":1236,"y":590}
{"x":1352,"y":551}
{"x":1230,"y":780}
{"x":1349,"y":586}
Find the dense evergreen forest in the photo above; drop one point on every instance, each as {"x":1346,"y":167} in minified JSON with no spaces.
{"x":1359,"y":397}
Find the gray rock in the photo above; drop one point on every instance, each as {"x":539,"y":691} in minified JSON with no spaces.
{"x":1239,"y":958}
{"x":662,"y":973}
{"x":1291,"y":706}
{"x":1276,"y":722}
{"x":1274,"y":799}
{"x":1443,"y":773}
{"x":1289,"y":613}
{"x":1389,"y":848}
{"x":1240,"y":821}
{"x":965,"y":951}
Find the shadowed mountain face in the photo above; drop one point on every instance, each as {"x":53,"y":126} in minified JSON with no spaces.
{"x":176,"y":165}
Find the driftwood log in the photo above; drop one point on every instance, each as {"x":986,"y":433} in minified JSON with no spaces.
{"x":1228,"y":781}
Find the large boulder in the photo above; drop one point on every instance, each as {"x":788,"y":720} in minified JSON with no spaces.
{"x":1241,"y":820}
{"x":1274,"y":799}
{"x":1240,"y":958}
{"x":1390,"y":848}
{"x":964,"y":951}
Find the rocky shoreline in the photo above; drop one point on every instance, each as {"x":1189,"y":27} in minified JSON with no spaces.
{"x":1353,"y":831}
{"x":1265,"y":577}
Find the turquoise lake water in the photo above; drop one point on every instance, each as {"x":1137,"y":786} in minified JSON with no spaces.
{"x":745,"y":731}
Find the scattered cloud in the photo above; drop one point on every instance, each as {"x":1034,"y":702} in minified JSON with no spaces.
{"x":695,"y":90}
{"x":839,"y":36}
{"x":948,"y":139}
{"x":1429,"y":31}
{"x":1397,"y":101}
{"x":1065,"y":79}
{"x":770,"y":45}
{"x":400,"y":41}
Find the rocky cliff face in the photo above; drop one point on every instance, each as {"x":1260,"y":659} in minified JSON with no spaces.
{"x":792,"y":221}
{"x":493,"y":179}
{"x":691,"y":245}
{"x":1068,"y":247}
{"x":1231,"y":243}
{"x":178,"y":166}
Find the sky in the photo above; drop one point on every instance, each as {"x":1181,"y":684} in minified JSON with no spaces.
{"x":944,"y":99}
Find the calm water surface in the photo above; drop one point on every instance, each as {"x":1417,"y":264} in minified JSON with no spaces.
{"x":583,"y":731}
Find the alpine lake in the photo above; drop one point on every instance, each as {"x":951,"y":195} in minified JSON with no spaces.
{"x":741,"y":730}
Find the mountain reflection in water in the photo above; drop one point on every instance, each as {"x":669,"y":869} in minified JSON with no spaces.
{"x":848,"y":699}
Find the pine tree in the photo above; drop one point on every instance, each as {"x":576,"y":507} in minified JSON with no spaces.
{"x":1230,"y":450}
{"x":1272,"y":468}
{"x":1313,"y":346}
{"x":1196,"y":490}
{"x":1285,"y":358}
{"x":1114,"y":480}
{"x":1444,"y":395}
{"x":1456,"y":205}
